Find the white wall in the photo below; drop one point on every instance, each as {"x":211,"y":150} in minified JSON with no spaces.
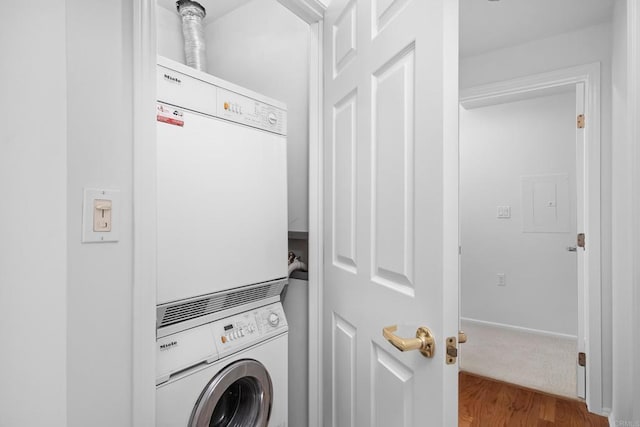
{"x":66,"y":306}
{"x":99,"y":93}
{"x":585,"y":46}
{"x":33,"y":222}
{"x":169,"y":36}
{"x":264,"y":47}
{"x":499,"y":144}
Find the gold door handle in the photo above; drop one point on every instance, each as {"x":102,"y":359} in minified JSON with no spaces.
{"x":462,"y":337}
{"x":423,"y":341}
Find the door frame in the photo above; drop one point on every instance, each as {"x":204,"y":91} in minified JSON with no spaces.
{"x":312,"y":12}
{"x":144,"y":215}
{"x":633,"y":110}
{"x":535,"y":85}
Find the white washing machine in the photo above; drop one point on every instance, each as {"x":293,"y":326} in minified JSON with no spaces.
{"x":230,"y":372}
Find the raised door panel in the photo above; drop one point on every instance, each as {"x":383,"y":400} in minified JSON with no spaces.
{"x":392,"y":165}
{"x":344,"y":183}
{"x":384,"y":11}
{"x":344,"y":372}
{"x":344,"y":38}
{"x":391,"y":390}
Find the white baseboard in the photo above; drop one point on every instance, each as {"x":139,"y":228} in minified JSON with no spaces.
{"x":519,"y":328}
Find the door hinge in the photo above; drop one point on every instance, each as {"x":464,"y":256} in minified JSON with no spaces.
{"x":580,"y":121}
{"x":580,"y":240}
{"x":582,"y":359}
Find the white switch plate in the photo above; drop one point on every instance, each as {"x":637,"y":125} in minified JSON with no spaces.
{"x":91,"y":195}
{"x":504,"y":212}
{"x":502,"y":280}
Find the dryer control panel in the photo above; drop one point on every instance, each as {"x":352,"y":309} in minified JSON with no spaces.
{"x":248,"y":111}
{"x":213,"y":341}
{"x":187,"y":88}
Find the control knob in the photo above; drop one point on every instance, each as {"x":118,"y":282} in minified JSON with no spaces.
{"x":274,"y":319}
{"x":271,"y":117}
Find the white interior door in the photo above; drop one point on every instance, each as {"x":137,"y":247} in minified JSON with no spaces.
{"x":390,"y":210}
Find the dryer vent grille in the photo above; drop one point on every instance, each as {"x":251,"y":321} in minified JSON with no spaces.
{"x":191,"y":309}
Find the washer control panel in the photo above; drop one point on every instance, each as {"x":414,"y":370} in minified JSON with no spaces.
{"x":238,"y":329}
{"x":212,"y":341}
{"x":248,"y":111}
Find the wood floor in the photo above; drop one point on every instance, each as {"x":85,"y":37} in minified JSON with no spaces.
{"x":486,"y":402}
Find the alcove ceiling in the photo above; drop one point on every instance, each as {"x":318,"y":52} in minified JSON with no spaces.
{"x":215,"y":8}
{"x":485,"y":24}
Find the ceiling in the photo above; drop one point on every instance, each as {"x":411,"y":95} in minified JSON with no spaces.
{"x":214,"y":8}
{"x":486,"y":25}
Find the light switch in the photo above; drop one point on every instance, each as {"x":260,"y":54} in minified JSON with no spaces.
{"x":504,"y":211}
{"x":100,"y":215}
{"x":502,"y":279}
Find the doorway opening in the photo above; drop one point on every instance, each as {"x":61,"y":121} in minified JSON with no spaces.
{"x":518,"y":225}
{"x":535,"y":197}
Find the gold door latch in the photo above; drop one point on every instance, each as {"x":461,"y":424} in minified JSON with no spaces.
{"x":452,"y":348}
{"x":423,"y":341}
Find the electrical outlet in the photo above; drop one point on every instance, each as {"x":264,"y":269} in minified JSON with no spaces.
{"x":502,"y":280}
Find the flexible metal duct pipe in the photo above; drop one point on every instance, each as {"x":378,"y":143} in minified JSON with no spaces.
{"x":192,"y":14}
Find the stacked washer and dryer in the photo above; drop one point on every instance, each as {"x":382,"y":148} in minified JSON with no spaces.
{"x":222,"y":240}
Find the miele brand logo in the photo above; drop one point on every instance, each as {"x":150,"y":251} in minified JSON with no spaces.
{"x":168,"y":345}
{"x":172,"y":79}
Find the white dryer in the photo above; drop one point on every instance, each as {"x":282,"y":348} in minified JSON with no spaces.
{"x":221,"y":186}
{"x":230,"y":372}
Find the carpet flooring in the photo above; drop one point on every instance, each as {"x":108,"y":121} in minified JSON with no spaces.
{"x":540,"y":362}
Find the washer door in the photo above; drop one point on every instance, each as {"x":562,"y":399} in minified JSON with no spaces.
{"x":240,"y":395}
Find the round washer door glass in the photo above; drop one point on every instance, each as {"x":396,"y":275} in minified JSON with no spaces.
{"x":240,"y":395}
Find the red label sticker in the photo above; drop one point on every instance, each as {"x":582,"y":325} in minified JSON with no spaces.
{"x":169,"y":115}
